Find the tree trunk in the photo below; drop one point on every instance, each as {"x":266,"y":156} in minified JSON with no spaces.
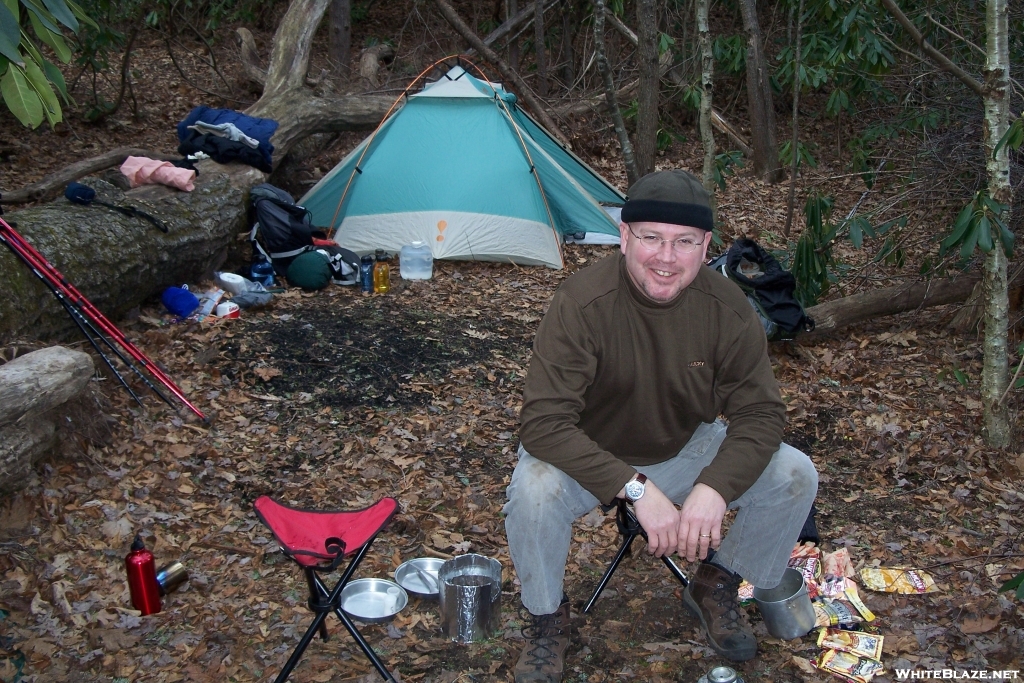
{"x":118,"y":261}
{"x":513,"y":44}
{"x":340,"y":34}
{"x":540,"y":49}
{"x":849,"y":310}
{"x":794,"y":143}
{"x":600,"y":12}
{"x":707,"y":135}
{"x":647,"y":109}
{"x":371,"y":61}
{"x":570,"y":20}
{"x":39,"y":381}
{"x":759,"y":98}
{"x":31,"y":386}
{"x":994,"y":288}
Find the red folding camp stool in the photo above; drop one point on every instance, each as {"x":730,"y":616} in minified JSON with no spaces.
{"x":630,"y":528}
{"x":318,"y":541}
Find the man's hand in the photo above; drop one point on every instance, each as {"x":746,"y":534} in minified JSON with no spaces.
{"x":700,"y":522}
{"x":660,"y":519}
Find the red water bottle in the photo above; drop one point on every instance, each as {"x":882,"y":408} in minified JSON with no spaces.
{"x":142,"y":583}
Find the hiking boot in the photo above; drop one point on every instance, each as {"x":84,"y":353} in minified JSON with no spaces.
{"x":543,"y":658}
{"x":712,"y":596}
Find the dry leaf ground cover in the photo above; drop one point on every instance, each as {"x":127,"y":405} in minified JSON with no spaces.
{"x":335,"y":399}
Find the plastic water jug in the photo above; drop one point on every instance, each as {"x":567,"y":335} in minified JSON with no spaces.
{"x":417,"y":261}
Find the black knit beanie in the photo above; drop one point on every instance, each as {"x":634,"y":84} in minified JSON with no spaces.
{"x":675,"y":197}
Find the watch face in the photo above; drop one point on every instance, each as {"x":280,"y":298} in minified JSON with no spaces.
{"x":634,"y":489}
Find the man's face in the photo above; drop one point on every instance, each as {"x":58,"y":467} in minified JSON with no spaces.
{"x":663,"y":272}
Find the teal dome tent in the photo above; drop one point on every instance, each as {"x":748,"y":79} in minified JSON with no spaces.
{"x":464,"y":169}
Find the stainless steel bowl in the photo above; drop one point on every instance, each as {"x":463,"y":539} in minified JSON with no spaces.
{"x":410,"y":576}
{"x":373,"y":600}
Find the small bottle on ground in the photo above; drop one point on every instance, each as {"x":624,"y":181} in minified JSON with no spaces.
{"x":381,"y":274}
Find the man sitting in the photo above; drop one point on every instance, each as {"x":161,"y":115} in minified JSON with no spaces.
{"x":634,"y":362}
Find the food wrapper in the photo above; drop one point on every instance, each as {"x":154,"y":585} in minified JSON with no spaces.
{"x":849,"y":666}
{"x":806,"y":559}
{"x":833,"y":586}
{"x":838,"y":564}
{"x":855,"y":642}
{"x":835,"y":612}
{"x":745,"y":591}
{"x":850,"y":609}
{"x":851,"y":595}
{"x":897,"y":580}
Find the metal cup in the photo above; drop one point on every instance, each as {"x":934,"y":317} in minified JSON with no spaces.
{"x":170,"y":576}
{"x":469,"y":592}
{"x":786,"y":609}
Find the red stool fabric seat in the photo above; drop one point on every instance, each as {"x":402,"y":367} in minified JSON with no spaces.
{"x":319,"y":541}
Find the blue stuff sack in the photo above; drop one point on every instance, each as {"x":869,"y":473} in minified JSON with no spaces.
{"x":180,"y":301}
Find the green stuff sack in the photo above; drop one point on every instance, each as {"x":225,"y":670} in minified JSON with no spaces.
{"x":310,"y":270}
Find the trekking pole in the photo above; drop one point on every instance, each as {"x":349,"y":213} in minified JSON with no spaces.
{"x":76,"y":315}
{"x":88,"y":330}
{"x":14,"y":239}
{"x":54,"y":276}
{"x":78,"y":319}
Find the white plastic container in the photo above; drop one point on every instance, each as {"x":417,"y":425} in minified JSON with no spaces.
{"x":416,"y":261}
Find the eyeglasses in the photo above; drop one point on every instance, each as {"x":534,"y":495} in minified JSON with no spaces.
{"x":684,"y":245}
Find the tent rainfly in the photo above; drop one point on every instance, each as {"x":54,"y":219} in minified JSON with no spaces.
{"x":464,"y":169}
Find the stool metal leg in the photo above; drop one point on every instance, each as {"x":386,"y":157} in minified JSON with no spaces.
{"x":623,"y":549}
{"x":630,"y":528}
{"x":323,"y":607}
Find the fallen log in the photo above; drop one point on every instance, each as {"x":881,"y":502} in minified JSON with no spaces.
{"x":876,"y":303}
{"x":21,"y":446}
{"x":32,"y":389}
{"x":38,"y":381}
{"x":118,"y":261}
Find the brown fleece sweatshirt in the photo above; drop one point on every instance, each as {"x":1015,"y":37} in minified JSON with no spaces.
{"x":617,"y":380}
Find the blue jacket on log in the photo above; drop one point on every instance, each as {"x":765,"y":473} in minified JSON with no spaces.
{"x":259,"y":129}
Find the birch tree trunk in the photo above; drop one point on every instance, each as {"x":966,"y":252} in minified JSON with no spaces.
{"x":610,"y":95}
{"x":759,"y":97}
{"x":647,"y":110}
{"x":707,"y":85}
{"x":994,"y":286}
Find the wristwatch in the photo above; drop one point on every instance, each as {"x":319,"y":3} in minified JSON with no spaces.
{"x":635,"y":487}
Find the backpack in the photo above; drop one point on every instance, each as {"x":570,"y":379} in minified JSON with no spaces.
{"x":768,"y":286}
{"x":283,"y":230}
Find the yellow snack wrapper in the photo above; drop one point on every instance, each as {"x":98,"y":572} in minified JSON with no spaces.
{"x":834,"y":612}
{"x":897,"y":580}
{"x":853,"y":596}
{"x":857,"y":643}
{"x":849,"y":666}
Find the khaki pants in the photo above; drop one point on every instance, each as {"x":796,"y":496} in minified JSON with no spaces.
{"x":543,"y":502}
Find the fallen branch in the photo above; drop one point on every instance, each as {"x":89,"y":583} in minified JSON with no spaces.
{"x":937,"y":57}
{"x":520,"y":22}
{"x":832,"y":315}
{"x":54,"y":184}
{"x":522,"y":91}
